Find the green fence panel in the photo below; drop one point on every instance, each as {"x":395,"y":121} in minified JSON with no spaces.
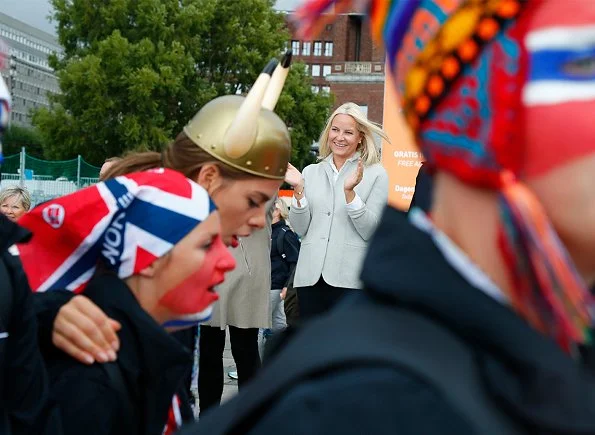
{"x":46,"y":179}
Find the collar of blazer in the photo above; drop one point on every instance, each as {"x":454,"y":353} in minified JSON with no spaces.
{"x":326,"y":163}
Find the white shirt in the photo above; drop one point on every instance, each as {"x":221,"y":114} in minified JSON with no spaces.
{"x":354,"y":205}
{"x":457,"y":258}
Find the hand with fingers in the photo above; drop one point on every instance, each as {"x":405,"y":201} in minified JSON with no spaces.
{"x":355,"y":177}
{"x":85,"y":333}
{"x":293,"y":176}
{"x":352,"y":181}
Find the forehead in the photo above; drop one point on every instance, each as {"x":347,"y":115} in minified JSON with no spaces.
{"x":559,"y":94}
{"x":15,"y":198}
{"x":344,"y":121}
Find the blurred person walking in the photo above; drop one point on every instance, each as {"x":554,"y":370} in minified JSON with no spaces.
{"x":473,"y":313}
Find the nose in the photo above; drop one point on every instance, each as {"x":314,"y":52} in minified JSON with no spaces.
{"x":258,"y":221}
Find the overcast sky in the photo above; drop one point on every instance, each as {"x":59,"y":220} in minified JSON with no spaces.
{"x":35,"y":12}
{"x":32,"y":12}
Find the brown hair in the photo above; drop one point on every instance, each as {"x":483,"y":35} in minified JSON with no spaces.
{"x":182,"y":154}
{"x":112,"y":159}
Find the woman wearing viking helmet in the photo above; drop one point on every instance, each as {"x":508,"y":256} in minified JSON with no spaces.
{"x":237,"y":149}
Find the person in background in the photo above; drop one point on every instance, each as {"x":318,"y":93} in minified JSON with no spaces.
{"x":284,"y":256}
{"x":285,"y":249}
{"x":15,"y":201}
{"x":335,"y":209}
{"x":107,"y":164}
{"x":243,"y":308}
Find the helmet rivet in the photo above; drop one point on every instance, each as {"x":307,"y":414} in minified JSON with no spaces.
{"x":266,"y":168}
{"x":249,"y":163}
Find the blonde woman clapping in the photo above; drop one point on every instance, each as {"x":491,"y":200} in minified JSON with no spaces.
{"x":336,"y":207}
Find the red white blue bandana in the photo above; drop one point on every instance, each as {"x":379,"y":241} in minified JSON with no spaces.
{"x":126,"y":223}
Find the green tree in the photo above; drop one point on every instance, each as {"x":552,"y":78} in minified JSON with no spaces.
{"x":133,"y":72}
{"x":17,"y":136}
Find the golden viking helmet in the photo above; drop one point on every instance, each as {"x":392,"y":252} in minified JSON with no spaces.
{"x":244,"y":132}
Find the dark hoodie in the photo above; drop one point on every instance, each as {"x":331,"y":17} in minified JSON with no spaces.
{"x":523,"y":378}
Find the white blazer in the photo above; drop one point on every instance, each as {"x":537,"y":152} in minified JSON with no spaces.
{"x":334,"y":234}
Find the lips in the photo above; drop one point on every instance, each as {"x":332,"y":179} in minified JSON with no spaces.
{"x":235,"y":242}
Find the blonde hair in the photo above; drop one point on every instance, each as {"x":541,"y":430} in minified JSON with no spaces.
{"x":22,"y":194}
{"x":283,"y":209}
{"x":367,"y":147}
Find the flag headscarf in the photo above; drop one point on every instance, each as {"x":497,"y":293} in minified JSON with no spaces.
{"x":125,"y":223}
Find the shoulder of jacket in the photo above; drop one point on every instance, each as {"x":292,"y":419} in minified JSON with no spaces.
{"x":308,"y":168}
{"x":375,"y":170}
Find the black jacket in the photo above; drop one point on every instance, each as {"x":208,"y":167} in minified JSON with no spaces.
{"x":283,"y":263}
{"x":524,"y":375}
{"x":23,"y":379}
{"x":151,"y":362}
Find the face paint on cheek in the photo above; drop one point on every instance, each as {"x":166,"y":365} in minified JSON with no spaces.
{"x":192,"y":299}
{"x":193,"y":295}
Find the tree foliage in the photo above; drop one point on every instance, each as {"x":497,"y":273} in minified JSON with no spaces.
{"x":133,"y":72}
{"x":17,"y":136}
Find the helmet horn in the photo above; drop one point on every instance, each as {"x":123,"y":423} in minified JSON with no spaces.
{"x":277,"y":81}
{"x":241,"y":134}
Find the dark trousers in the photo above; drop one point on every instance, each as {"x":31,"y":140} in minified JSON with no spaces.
{"x":319,"y":298}
{"x":244,"y":348}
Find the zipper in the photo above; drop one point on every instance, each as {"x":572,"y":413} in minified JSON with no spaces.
{"x":245,"y":258}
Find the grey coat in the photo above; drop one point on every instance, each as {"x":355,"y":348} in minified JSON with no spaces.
{"x":334,"y":239}
{"x":244,"y":296}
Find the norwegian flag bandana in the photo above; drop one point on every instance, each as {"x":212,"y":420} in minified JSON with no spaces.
{"x":126,"y":223}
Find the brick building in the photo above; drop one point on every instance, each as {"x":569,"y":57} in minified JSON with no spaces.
{"x":345,"y":61}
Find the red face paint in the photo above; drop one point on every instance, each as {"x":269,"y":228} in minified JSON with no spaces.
{"x":193,"y":295}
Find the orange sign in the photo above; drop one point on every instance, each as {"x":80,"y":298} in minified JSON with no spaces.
{"x":401,"y":158}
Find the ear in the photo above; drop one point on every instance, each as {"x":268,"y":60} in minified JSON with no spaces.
{"x":209,"y":177}
{"x":149,"y":271}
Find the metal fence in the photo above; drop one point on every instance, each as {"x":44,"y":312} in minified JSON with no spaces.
{"x":46,"y":179}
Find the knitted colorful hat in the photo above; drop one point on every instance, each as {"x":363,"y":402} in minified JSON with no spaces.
{"x":481,"y":82}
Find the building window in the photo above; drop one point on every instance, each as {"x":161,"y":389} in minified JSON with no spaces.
{"x":315,"y":89}
{"x":328,"y":48}
{"x":326,"y":70}
{"x":307,"y":69}
{"x":317,"y":48}
{"x":326,"y":89}
{"x":295,"y":46}
{"x":315,"y":70}
{"x":306,"y":48}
